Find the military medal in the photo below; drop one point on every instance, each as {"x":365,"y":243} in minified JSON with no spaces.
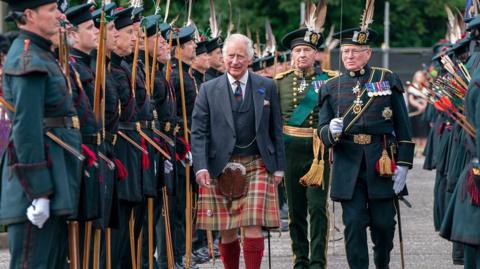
{"x":303,"y":85}
{"x":357,"y":105}
{"x":356,"y":89}
{"x":387,"y":113}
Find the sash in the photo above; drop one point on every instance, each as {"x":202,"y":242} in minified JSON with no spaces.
{"x":308,"y":103}
{"x":350,"y":118}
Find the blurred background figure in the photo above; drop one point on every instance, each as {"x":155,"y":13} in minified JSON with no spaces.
{"x":417,"y":104}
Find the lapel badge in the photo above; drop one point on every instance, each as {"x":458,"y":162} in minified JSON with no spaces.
{"x":387,"y":113}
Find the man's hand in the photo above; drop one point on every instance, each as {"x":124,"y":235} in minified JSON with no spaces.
{"x":203,"y":178}
{"x":399,"y":178}
{"x":39,"y":212}
{"x":336,"y":126}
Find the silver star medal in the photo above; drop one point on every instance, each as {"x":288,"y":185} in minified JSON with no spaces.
{"x":303,"y":85}
{"x":356,"y":89}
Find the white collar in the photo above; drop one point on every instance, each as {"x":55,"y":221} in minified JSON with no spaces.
{"x":243,"y":80}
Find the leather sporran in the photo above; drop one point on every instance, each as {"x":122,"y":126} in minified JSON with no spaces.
{"x":233,"y":182}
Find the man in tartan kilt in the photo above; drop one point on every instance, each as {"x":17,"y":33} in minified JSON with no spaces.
{"x":239,"y":155}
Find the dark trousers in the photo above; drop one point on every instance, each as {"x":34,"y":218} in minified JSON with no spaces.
{"x":303,"y":201}
{"x":361,"y":212}
{"x":120,"y":238}
{"x":472,"y":257}
{"x":31,"y":247}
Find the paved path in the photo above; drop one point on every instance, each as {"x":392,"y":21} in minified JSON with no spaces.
{"x":424,"y":249}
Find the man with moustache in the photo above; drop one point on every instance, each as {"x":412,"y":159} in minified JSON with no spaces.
{"x":237,"y":140}
{"x":215,"y":59}
{"x":298,"y":90}
{"x":40,"y":180}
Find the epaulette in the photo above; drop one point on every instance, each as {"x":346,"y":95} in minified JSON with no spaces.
{"x":383,"y":69}
{"x":332,"y":73}
{"x":283,"y":74}
{"x":338,"y":74}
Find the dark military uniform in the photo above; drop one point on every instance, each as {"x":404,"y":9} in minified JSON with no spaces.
{"x":34,"y":166}
{"x":355,"y":180}
{"x":212,"y":73}
{"x":83,"y":84}
{"x":190,"y":90}
{"x":303,"y":200}
{"x":306,"y":195}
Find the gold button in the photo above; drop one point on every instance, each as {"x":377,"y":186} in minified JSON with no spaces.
{"x":311,"y":117}
{"x":294,"y":94}
{"x":310,"y":122}
{"x":295,"y":100}
{"x":295,"y":106}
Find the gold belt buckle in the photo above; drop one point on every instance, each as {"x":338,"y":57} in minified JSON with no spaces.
{"x":138,"y":126}
{"x":362,"y":139}
{"x":114,"y":139}
{"x":75,"y":122}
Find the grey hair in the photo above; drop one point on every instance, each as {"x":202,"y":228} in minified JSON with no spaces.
{"x":238,"y":38}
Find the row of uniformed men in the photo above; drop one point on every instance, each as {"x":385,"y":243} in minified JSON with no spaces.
{"x":452,"y":146}
{"x":128,"y":134}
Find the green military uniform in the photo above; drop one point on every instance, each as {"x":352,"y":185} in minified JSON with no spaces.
{"x":303,"y":200}
{"x":462,"y":210}
{"x":375,"y":121}
{"x":298,"y":91}
{"x":34,"y":166}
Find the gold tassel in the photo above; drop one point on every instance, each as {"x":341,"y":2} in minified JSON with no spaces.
{"x":385,"y":165}
{"x":314,"y":176}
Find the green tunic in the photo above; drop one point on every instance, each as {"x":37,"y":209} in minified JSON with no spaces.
{"x":303,"y":201}
{"x":34,"y":166}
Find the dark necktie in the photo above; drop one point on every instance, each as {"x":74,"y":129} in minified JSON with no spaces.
{"x":238,"y":93}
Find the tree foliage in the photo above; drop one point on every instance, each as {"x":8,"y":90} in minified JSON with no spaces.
{"x":413,"y":23}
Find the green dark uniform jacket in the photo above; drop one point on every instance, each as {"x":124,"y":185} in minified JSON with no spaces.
{"x":34,"y":166}
{"x":129,"y":189}
{"x":381,"y":115}
{"x":163,"y":99}
{"x":83,"y":84}
{"x":145,"y":118}
{"x":211,"y":74}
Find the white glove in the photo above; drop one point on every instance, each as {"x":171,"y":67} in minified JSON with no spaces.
{"x":336,"y":126}
{"x":188,"y":157}
{"x":167,"y":167}
{"x":399,"y":179}
{"x":39,"y":212}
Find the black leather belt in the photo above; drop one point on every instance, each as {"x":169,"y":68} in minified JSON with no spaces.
{"x":363,"y":139}
{"x":111,"y":138}
{"x":131,"y":126}
{"x":93,"y":139}
{"x":62,"y":122}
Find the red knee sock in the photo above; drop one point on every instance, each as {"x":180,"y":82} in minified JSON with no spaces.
{"x":253,"y":252}
{"x":230,"y":254}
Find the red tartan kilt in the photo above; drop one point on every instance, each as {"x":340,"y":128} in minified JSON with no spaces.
{"x":258,"y":208}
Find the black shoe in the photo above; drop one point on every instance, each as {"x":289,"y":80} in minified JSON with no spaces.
{"x":200,"y":258}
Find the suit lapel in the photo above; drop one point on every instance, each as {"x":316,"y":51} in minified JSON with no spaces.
{"x":224,"y":99}
{"x":258,"y":97}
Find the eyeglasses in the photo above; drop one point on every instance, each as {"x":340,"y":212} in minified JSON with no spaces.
{"x":353,"y":51}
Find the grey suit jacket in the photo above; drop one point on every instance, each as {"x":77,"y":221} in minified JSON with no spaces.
{"x":213,"y":131}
